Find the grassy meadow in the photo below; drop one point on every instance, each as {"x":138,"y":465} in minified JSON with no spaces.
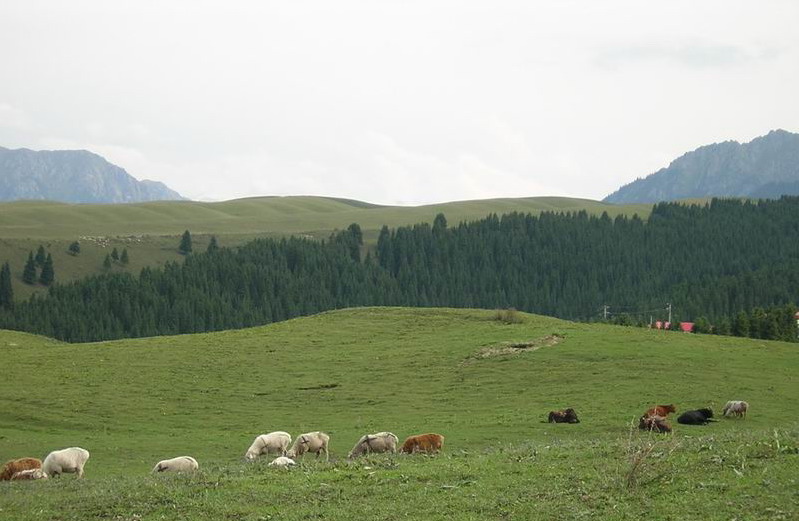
{"x":134,"y":402}
{"x":151,"y":231}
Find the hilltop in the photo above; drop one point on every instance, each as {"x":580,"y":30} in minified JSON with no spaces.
{"x":74,"y":176}
{"x":766,"y":167}
{"x":133,"y":402}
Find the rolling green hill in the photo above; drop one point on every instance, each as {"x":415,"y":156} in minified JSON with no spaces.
{"x":133,"y":402}
{"x":151,"y":231}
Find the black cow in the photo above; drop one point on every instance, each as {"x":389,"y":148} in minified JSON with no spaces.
{"x":565,"y":416}
{"x":698,"y":417}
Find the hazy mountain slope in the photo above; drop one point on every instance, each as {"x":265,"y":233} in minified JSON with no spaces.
{"x":767,"y":166}
{"x":75,"y":176}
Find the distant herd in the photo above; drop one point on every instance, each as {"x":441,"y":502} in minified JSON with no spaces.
{"x":73,"y":459}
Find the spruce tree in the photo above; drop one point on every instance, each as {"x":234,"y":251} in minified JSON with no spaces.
{"x":40,"y":256}
{"x":212,"y":246}
{"x":185,"y":243}
{"x":48,"y":274}
{"x":107,"y":262}
{"x":6,"y":291}
{"x":74,"y":248}
{"x":29,"y":273}
{"x":124,"y":259}
{"x":115,"y":255}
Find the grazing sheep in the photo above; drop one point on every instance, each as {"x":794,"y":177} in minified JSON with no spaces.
{"x":654,"y":424}
{"x":378,"y":442}
{"x":65,"y":461}
{"x":179,"y":464}
{"x":735,"y":407}
{"x":430,"y":443}
{"x":282,"y":462}
{"x":310,"y":442}
{"x":28,"y":475}
{"x":17,"y":465}
{"x":277,"y":442}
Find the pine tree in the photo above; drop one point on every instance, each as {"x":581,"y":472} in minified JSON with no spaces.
{"x":74,"y":248}
{"x":185,"y":243}
{"x":6,"y":291}
{"x":40,"y":256}
{"x":124,"y":259}
{"x":48,"y":274}
{"x":115,"y":255}
{"x":29,"y":273}
{"x":212,"y":246}
{"x":107,"y":262}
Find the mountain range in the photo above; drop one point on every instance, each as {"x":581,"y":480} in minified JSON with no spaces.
{"x":766,"y":167}
{"x":72,"y":176}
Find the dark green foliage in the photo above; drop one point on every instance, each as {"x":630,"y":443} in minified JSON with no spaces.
{"x":124,"y":259}
{"x":213,"y":245}
{"x":41,"y":256}
{"x":185,"y":243}
{"x":74,"y":248}
{"x":710,"y":261}
{"x":6,"y":291}
{"x":115,"y":255}
{"x":48,"y":273}
{"x":107,"y":262}
{"x":29,"y":273}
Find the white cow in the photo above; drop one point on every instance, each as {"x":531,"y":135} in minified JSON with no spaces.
{"x":378,"y":442}
{"x":67,"y":461}
{"x":282,"y":462}
{"x":310,"y":442}
{"x":277,"y":442}
{"x":179,"y":464}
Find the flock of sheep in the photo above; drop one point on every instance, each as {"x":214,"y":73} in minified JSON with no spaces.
{"x":73,"y":459}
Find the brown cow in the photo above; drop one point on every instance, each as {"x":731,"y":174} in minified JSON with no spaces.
{"x":430,"y":443}
{"x":654,"y":424}
{"x":17,"y":465}
{"x":661,"y":410}
{"x":564,"y":416}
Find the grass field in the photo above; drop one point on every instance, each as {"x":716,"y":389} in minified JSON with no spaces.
{"x":151,"y":231}
{"x":133,"y":402}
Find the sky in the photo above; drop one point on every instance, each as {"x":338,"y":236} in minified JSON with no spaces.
{"x":402,"y":102}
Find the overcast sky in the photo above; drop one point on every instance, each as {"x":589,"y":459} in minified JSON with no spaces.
{"x":403,"y":102}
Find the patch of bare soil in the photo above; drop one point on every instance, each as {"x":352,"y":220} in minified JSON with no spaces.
{"x":514,"y":348}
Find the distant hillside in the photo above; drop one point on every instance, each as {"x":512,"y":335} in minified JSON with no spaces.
{"x":72,"y":176}
{"x":766,"y":167}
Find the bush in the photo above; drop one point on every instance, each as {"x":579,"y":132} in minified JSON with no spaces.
{"x":508,"y":316}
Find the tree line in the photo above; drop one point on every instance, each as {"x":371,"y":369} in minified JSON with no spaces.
{"x":712,"y":261}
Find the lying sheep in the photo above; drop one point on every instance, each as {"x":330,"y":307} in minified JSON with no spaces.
{"x":179,"y":464}
{"x":277,"y":442}
{"x":282,"y":462}
{"x":65,"y":461}
{"x":310,"y":442}
{"x":29,"y":474}
{"x":378,"y":442}
{"x":18,"y":465}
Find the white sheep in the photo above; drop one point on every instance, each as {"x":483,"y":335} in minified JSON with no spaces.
{"x":378,"y":442}
{"x":29,"y":474}
{"x":277,"y":442}
{"x":65,"y":461}
{"x":310,"y":442}
{"x":179,"y":464}
{"x":282,"y":462}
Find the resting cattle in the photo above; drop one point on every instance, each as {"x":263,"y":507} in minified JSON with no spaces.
{"x":277,"y":442}
{"x":29,"y":474}
{"x":378,"y":442}
{"x":429,"y":443}
{"x":282,"y":462}
{"x":661,"y":410}
{"x":179,"y":464}
{"x":697,"y":417}
{"x":735,"y":408}
{"x":310,"y":442}
{"x":18,"y":465}
{"x":564,"y":416}
{"x":65,"y":461}
{"x":653,"y":424}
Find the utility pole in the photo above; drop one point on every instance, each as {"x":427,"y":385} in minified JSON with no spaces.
{"x":668,"y":306}
{"x":605,"y":311}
